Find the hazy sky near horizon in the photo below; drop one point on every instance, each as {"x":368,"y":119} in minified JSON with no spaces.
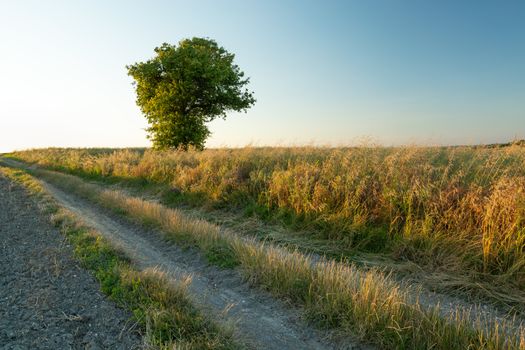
{"x":323,"y":72}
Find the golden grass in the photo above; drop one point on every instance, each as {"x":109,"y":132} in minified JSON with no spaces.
{"x":458,"y":208}
{"x":366,"y":303}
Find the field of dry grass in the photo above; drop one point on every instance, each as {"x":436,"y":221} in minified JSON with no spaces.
{"x":456,"y":208}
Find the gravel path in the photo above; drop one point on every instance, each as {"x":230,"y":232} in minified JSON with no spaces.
{"x":260,"y":320}
{"x":46,"y":300}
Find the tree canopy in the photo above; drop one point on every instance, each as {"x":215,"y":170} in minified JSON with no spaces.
{"x":183,"y":87}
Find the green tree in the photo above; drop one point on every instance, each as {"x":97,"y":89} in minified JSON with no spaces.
{"x":183,"y":87}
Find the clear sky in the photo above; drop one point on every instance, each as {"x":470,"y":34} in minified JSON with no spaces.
{"x":323,"y":72}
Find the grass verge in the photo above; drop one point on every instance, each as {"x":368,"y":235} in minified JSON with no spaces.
{"x":364,"y":303}
{"x":163,"y":309}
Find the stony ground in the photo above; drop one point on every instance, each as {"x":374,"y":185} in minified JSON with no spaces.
{"x":47,"y":301}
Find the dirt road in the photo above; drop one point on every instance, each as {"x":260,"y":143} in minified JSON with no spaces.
{"x":46,"y":300}
{"x":259,"y":319}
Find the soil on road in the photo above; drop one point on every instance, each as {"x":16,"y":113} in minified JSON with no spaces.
{"x":47,"y":301}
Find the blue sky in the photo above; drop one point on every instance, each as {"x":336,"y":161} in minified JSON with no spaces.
{"x":323,"y":72}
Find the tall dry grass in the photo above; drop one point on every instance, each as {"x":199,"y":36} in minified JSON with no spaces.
{"x":462,"y":207}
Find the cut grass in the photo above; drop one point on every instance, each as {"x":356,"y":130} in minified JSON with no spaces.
{"x":368,"y":304}
{"x":163,"y":308}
